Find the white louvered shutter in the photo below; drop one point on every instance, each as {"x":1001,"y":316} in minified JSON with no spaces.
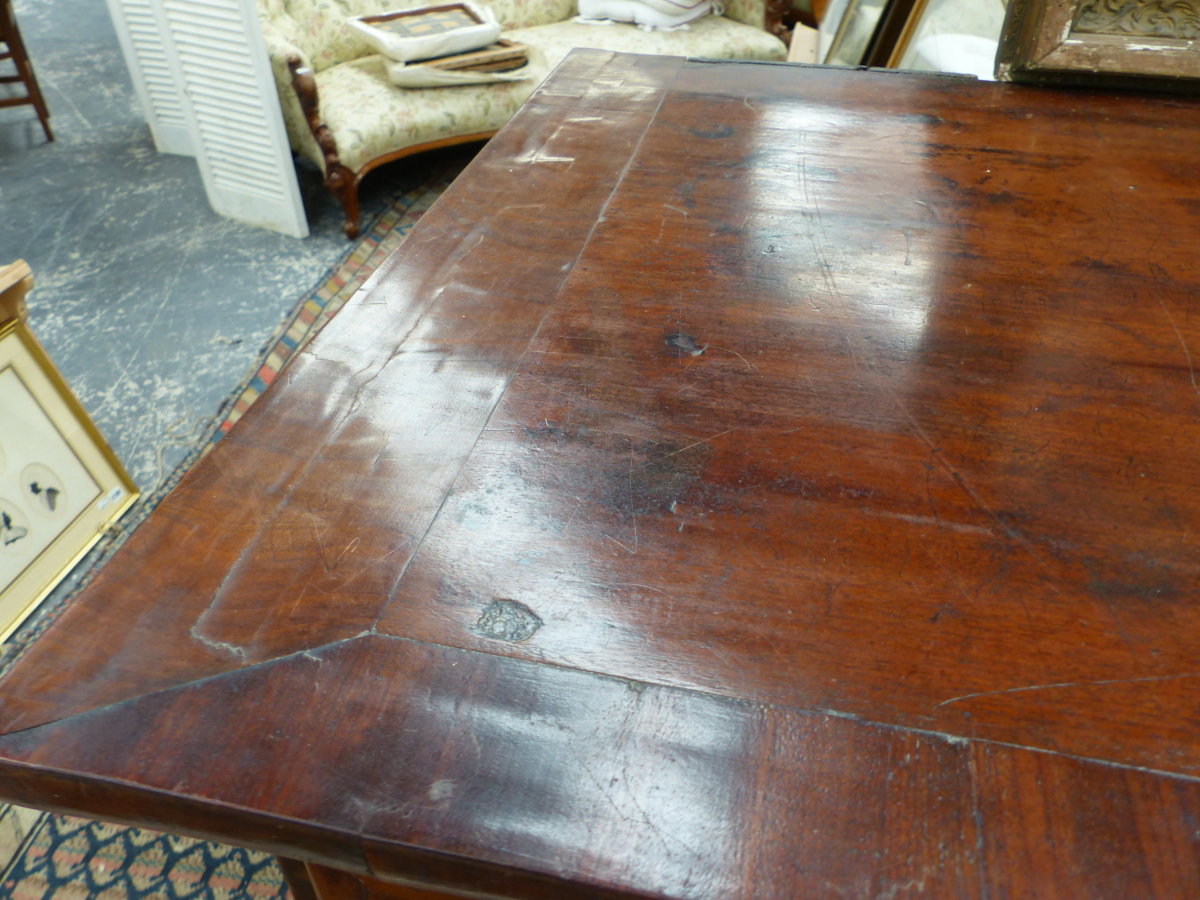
{"x":140,"y":33}
{"x":237,"y":131}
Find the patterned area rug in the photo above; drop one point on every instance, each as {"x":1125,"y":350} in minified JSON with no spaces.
{"x":65,"y":858}
{"x":76,"y":859}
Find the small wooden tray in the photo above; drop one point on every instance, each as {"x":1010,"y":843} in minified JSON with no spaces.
{"x":502,"y":56}
{"x":425,"y":21}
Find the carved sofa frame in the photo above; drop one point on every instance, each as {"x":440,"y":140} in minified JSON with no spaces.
{"x":343,"y":182}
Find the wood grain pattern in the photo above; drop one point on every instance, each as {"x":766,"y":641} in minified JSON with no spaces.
{"x":747,"y":482}
{"x":872,"y":448}
{"x":641,"y":787}
{"x":1040,"y":812}
{"x":310,"y":556}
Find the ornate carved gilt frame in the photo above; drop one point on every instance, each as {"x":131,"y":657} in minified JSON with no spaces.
{"x":1102,"y":42}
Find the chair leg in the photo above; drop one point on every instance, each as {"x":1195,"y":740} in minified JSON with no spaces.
{"x":342,"y":183}
{"x":11,"y":36}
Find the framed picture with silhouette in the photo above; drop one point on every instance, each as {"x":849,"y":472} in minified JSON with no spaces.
{"x":61,"y":487}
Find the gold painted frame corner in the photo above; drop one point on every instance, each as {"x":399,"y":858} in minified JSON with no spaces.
{"x":24,"y":592}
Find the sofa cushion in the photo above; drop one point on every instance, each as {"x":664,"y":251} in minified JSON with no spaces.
{"x":370,"y":117}
{"x":712,"y":37}
{"x":527,"y":13}
{"x":748,"y":12}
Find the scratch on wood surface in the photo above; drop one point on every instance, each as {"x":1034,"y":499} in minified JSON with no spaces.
{"x":618,"y":543}
{"x":606,"y":789}
{"x":633,"y":503}
{"x":549,"y":388}
{"x":1069,"y":684}
{"x":903,"y":887}
{"x":749,"y":368}
{"x":1182,"y":343}
{"x":929,"y":520}
{"x":571,"y":517}
{"x":231,"y":649}
{"x":612,"y":585}
{"x":689,"y":447}
{"x":349,"y":547}
{"x":982,"y":506}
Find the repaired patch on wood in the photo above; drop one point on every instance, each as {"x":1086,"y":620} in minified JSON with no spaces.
{"x":508,"y":620}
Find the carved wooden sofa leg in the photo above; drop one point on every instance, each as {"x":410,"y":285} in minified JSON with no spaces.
{"x":342,"y":182}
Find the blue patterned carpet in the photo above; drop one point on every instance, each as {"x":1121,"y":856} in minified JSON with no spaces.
{"x":75,"y":859}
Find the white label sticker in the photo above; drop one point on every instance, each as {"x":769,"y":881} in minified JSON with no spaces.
{"x":111,"y":497}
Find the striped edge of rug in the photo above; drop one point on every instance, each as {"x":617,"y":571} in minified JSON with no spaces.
{"x":76,"y":859}
{"x":302,"y":323}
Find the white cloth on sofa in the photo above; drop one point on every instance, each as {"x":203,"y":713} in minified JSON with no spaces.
{"x":661,"y":14}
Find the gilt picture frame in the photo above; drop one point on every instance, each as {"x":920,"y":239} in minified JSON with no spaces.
{"x":856,"y":23}
{"x":1151,"y":44}
{"x":61,"y":487}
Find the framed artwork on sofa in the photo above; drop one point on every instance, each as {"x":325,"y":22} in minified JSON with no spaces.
{"x":61,"y":487}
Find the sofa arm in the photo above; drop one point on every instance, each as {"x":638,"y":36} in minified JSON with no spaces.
{"x":280,"y":50}
{"x":339,"y":179}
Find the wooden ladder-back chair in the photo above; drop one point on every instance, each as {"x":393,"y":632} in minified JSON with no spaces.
{"x":14,"y":49}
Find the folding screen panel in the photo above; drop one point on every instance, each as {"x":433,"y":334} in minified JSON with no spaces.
{"x":203,"y":63}
{"x":141,"y":35}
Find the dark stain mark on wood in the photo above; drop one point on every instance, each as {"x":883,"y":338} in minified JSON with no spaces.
{"x":715,"y":133}
{"x":1125,"y":590}
{"x":684,"y":344}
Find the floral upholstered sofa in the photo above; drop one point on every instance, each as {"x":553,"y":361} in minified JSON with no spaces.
{"x":344,"y":114}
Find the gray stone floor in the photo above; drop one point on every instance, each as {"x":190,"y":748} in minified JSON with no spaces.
{"x":151,"y":304}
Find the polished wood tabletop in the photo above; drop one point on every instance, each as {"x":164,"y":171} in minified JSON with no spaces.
{"x":748,"y":481}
